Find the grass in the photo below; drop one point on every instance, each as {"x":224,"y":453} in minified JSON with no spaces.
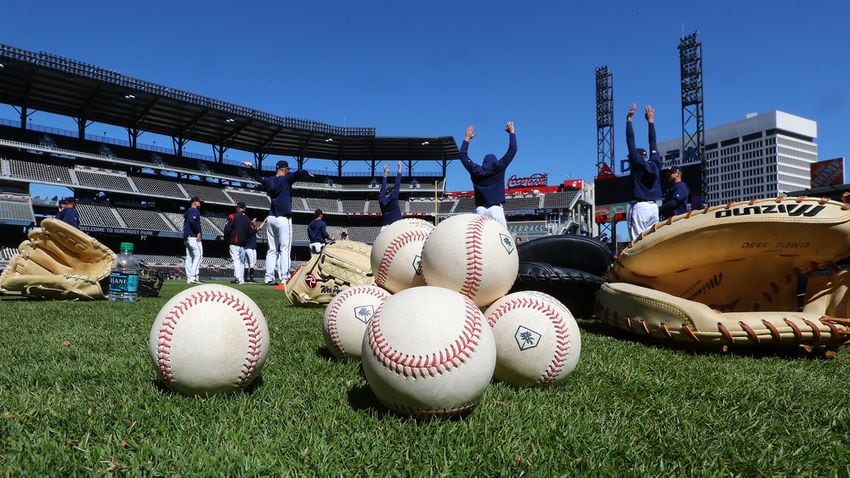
{"x":78,"y":396}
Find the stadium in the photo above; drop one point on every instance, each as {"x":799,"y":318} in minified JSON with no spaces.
{"x":130,"y":191}
{"x":80,"y":396}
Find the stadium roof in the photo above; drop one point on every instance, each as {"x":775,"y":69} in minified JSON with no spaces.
{"x":46,"y":82}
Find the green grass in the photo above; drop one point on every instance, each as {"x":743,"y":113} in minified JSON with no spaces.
{"x":78,"y":397}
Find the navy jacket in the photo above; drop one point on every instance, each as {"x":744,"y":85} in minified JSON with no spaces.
{"x":252,"y":238}
{"x":488,"y":179}
{"x":646,"y":175}
{"x":237,"y":229}
{"x":390,"y":209}
{"x":675,"y":200}
{"x":280,"y":190}
{"x":317,"y":231}
{"x":70,"y":216}
{"x":191,"y":222}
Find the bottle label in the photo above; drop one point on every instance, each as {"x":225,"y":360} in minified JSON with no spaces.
{"x":119,"y":282}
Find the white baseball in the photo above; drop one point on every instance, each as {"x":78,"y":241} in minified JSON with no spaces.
{"x":209,"y":339}
{"x":472,"y":254}
{"x":537,"y":339}
{"x":397,"y":254}
{"x":428,"y":351}
{"x":346,"y":317}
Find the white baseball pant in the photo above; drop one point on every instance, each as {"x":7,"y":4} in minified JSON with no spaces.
{"x":194,"y":254}
{"x":279,"y":236}
{"x":642,"y":215}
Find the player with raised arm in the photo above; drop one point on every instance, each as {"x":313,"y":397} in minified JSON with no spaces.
{"x":388,"y":198}
{"x":279,"y":221}
{"x":646,"y":176}
{"x":488,"y":178}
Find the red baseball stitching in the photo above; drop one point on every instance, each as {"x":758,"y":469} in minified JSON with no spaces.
{"x":562,"y":333}
{"x":438,"y":363}
{"x":474,"y":256}
{"x":169,"y":323}
{"x":393,"y":248}
{"x":333,"y":331}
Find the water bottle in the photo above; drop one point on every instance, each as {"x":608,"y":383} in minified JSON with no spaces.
{"x":124,"y":281}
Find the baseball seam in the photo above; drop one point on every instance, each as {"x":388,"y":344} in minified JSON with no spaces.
{"x":333,"y":330}
{"x":562,"y":333}
{"x":437,"y":363}
{"x":169,"y":323}
{"x":392,"y":249}
{"x":474,"y":256}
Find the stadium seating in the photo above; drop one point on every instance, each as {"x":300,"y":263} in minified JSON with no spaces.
{"x":328,"y":206}
{"x":562,"y":199}
{"x":373,"y":206}
{"x":158,"y":187}
{"x":97,"y":216}
{"x":207,"y":193}
{"x":252,"y":200}
{"x":522,"y":203}
{"x":212,"y":224}
{"x":16,"y":209}
{"x":465,"y":205}
{"x":145,"y":220}
{"x":39,"y":172}
{"x":103,"y":181}
{"x":355,"y":206}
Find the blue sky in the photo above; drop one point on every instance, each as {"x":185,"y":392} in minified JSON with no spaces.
{"x":431,"y":68}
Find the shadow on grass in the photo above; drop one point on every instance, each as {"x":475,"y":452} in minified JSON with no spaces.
{"x":362,"y":399}
{"x":325,"y":353}
{"x":786,"y":352}
{"x":249,"y":390}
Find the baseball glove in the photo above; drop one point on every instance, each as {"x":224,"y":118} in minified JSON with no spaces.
{"x":59,"y":261}
{"x":732,"y":275}
{"x":340,"y":265}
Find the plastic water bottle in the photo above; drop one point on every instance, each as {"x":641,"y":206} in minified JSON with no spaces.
{"x":124,"y":281}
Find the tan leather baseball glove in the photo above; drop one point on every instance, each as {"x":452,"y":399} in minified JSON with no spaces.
{"x":759,"y":272}
{"x":341,"y":265}
{"x":59,"y":261}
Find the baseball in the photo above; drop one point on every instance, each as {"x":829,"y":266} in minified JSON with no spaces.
{"x":537,"y":339}
{"x":428,"y":351}
{"x":209,"y":339}
{"x":471,"y":254}
{"x":397,"y":254}
{"x":346,"y":317}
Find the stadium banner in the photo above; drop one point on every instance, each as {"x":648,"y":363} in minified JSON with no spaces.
{"x":119,"y":230}
{"x":528,"y":228}
{"x":829,"y":172}
{"x":536,"y":180}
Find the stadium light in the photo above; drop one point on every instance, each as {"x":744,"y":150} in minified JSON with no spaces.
{"x":329,"y":140}
{"x":130,"y":96}
{"x":229,"y":120}
{"x":425,"y":143}
{"x":2,"y":65}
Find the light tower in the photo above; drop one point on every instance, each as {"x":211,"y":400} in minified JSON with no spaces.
{"x":693,"y":127}
{"x":605,"y":140}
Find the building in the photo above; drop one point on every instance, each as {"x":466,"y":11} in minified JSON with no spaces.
{"x":761,"y":156}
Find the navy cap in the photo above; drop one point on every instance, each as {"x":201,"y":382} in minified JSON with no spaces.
{"x":196,"y":199}
{"x":240,"y":205}
{"x":282,"y":164}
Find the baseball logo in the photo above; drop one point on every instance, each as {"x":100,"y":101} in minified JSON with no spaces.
{"x":526,"y":338}
{"x":310,"y":280}
{"x":364,"y":313}
{"x":347,"y":316}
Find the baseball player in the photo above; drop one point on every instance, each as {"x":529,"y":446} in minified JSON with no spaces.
{"x":69,"y":212}
{"x":251,"y":250}
{"x":279,"y":222}
{"x":192,"y":240}
{"x":488,"y":178}
{"x":317,"y":232}
{"x":676,"y":197}
{"x":236,"y":232}
{"x":645,"y":174}
{"x":388,"y":199}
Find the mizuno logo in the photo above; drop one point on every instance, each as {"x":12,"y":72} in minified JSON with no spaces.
{"x":807,"y":210}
